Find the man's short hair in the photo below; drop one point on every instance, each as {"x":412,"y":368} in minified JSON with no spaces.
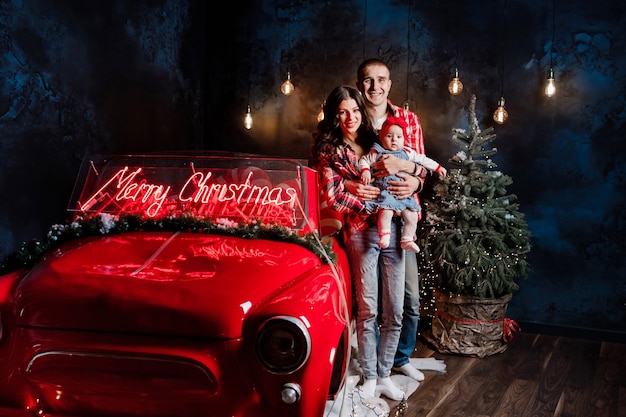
{"x":367,"y":63}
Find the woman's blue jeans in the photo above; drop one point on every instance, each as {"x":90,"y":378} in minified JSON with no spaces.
{"x":376,"y":359}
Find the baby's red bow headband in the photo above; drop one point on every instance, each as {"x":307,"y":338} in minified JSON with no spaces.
{"x":392,"y":120}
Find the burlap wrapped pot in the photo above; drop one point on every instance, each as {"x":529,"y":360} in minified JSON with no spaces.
{"x":469,"y":325}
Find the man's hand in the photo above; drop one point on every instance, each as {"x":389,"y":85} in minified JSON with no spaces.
{"x":406,"y":188}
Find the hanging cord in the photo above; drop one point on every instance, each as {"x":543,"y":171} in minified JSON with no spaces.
{"x":288,"y":43}
{"x":456,"y":38}
{"x":553,"y":28}
{"x":249,"y":82}
{"x":364,"y":25}
{"x":324,"y":76}
{"x":408,"y":50}
{"x":503,"y":51}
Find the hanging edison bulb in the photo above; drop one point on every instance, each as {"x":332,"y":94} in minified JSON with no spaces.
{"x":287,"y":87}
{"x":247,"y":120}
{"x":455,"y":87}
{"x":550,"y":84}
{"x":500,"y":115}
{"x":320,"y":115}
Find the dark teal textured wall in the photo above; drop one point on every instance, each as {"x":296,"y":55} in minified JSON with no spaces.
{"x":135,"y":76}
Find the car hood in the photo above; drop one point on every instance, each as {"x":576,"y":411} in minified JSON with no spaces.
{"x":160,"y":283}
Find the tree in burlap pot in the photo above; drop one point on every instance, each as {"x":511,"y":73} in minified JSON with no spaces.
{"x":474,"y":244}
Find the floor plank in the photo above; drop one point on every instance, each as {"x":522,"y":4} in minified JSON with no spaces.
{"x":538,"y":375}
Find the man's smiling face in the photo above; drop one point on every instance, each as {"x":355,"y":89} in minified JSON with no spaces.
{"x":376,"y":84}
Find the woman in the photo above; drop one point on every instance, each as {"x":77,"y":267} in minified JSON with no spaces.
{"x":343,"y":136}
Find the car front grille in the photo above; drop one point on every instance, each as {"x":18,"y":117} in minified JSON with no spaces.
{"x":89,"y":384}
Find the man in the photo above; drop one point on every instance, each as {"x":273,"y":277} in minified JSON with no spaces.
{"x":374,"y":83}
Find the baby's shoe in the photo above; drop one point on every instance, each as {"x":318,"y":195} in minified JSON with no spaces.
{"x":385,"y":237}
{"x":409,"y":245}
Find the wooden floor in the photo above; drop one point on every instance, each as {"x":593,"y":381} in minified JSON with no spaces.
{"x":538,"y":375}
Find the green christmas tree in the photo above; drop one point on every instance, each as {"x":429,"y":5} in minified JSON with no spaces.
{"x":474,"y":238}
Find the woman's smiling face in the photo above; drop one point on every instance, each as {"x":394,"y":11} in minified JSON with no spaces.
{"x":350,"y":117}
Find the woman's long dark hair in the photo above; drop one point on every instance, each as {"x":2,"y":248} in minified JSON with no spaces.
{"x":329,"y":134}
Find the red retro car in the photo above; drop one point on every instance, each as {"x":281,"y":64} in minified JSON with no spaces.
{"x":183,"y":285}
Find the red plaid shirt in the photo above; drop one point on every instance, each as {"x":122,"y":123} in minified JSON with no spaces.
{"x":335,"y":167}
{"x":342,"y":164}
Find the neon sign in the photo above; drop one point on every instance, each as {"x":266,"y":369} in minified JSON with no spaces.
{"x":127,"y":189}
{"x":155,"y":190}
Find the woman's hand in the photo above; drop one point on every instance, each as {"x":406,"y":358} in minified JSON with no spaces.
{"x":364,"y":192}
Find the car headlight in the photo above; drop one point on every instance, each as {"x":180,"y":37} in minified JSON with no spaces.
{"x":283,"y":344}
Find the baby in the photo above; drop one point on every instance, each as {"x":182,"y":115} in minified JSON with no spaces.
{"x":391,"y":137}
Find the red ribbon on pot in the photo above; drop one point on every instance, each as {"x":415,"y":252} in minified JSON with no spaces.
{"x":509,"y":328}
